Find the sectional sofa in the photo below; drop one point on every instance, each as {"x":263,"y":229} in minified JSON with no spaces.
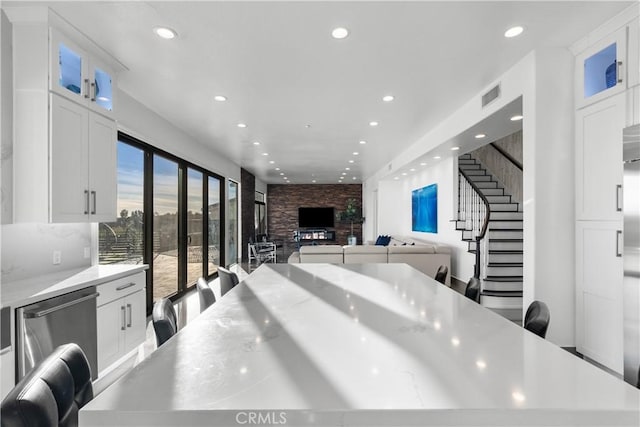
{"x":422,"y":255}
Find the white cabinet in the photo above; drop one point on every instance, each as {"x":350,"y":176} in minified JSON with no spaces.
{"x":82,"y":164}
{"x":599,"y":159}
{"x":602,"y":69}
{"x":599,"y":328}
{"x":79,"y":76}
{"x":64,"y":138}
{"x":121,"y":318}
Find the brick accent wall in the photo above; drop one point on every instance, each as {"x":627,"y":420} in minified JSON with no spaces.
{"x":283,"y":201}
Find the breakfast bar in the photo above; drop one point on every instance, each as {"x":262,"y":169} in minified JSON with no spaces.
{"x":358,"y":345}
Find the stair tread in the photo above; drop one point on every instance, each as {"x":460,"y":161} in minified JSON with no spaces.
{"x":505,"y":251}
{"x":503,"y":279}
{"x":505,"y":264}
{"x":498,"y":230}
{"x":508,"y":294}
{"x":493,"y":239}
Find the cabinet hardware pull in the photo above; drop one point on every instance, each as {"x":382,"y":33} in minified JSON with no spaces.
{"x":86,"y":206}
{"x":128,"y":285}
{"x":619,"y":71}
{"x":618,"y":198}
{"x":93,"y":91}
{"x":129,"y":314}
{"x":86,"y":88}
{"x":124,"y":320}
{"x":618,"y":235}
{"x":94,"y":196}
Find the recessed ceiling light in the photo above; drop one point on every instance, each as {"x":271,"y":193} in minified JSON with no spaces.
{"x":455,"y":148}
{"x":373,"y":124}
{"x":272,"y":161}
{"x":347,"y":169}
{"x":241,"y":125}
{"x":256,"y":143}
{"x":388,"y":98}
{"x":265,"y":154}
{"x":404,"y":174}
{"x":423,"y":164}
{"x":165,"y":33}
{"x":351,"y":161}
{"x":353,"y":177}
{"x":436,"y":157}
{"x":363,"y":142}
{"x":339,"y":33}
{"x":220,"y":98}
{"x":313,"y":181}
{"x":412,"y":170}
{"x":516,"y":118}
{"x":277,"y":169}
{"x":281,"y":173}
{"x":344,"y":173}
{"x":355,"y":153}
{"x":480,"y":136}
{"x":513,"y":31}
{"x":307,"y":126}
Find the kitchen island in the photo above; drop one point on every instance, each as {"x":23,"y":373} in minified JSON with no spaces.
{"x":358,"y":345}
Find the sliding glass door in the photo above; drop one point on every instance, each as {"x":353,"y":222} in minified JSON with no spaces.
{"x":165,"y":227}
{"x":171,"y":218}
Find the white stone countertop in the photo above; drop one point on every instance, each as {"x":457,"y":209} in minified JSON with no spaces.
{"x":27,"y":291}
{"x":359,"y":345}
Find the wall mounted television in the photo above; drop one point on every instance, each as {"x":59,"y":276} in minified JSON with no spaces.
{"x":315,"y":217}
{"x":424,"y":209}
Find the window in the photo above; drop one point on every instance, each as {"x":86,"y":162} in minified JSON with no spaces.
{"x":162,"y":222}
{"x":122,"y":241}
{"x":233,"y":222}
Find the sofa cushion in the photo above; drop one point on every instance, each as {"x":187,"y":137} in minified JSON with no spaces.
{"x":322,"y":253}
{"x":365,"y":254}
{"x":321,"y":249}
{"x":412,"y":249}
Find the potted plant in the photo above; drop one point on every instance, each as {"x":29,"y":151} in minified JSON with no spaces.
{"x":351,"y":214}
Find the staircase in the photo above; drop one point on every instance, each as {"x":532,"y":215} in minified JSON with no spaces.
{"x":501,"y":248}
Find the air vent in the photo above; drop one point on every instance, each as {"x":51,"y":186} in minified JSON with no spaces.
{"x":490,"y":96}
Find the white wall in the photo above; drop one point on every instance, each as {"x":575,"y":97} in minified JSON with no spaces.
{"x":394,"y":212}
{"x":6,"y":121}
{"x":544,"y":80}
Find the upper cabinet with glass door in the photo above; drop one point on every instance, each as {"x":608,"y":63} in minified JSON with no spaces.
{"x":602,"y":69}
{"x":80,"y":76}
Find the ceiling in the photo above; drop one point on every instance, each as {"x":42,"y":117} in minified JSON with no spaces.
{"x":306,"y":97}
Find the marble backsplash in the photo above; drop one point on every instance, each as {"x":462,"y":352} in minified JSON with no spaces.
{"x":27,"y":249}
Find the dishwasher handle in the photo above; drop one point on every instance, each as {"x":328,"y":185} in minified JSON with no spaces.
{"x":36,"y":314}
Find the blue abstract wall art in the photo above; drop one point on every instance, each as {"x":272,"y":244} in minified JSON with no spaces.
{"x":424,"y":209}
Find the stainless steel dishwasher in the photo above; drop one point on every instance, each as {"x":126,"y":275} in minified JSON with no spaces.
{"x":43,"y":326}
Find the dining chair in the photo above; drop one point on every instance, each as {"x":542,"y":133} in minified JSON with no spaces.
{"x":164,"y":319}
{"x":537,"y":318}
{"x":205,"y":294}
{"x":441,"y":274}
{"x":472,"y":291}
{"x":228,"y":280}
{"x":52,"y":393}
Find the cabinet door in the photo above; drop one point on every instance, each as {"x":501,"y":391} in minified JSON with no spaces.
{"x":69,"y":168}
{"x":599,"y":327}
{"x":101,"y":88}
{"x":599,"y":159}
{"x":136,"y":316}
{"x":69,"y":68}
{"x":111,"y":327}
{"x":602,"y":69}
{"x":102,"y":168}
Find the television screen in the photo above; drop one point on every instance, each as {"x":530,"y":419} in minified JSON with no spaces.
{"x":315,"y":217}
{"x":424,"y":209}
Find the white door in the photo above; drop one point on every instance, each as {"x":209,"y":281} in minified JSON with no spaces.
{"x":69,"y":161}
{"x":102,"y":139}
{"x":599,"y":291}
{"x":599,"y":159}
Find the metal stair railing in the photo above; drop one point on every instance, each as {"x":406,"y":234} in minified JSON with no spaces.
{"x":474,"y":210}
